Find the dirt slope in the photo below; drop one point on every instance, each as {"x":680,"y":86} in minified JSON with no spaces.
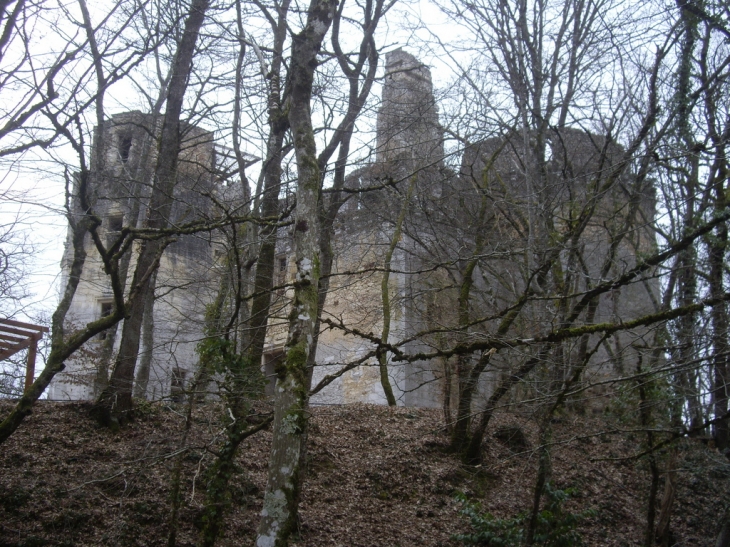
{"x":377,"y":477}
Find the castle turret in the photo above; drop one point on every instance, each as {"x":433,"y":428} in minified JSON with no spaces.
{"x":408,"y":126}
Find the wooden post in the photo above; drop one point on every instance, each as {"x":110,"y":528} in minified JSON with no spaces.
{"x":30,"y":363}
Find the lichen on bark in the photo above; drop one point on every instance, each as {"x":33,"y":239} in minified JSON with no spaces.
{"x":279,"y":517}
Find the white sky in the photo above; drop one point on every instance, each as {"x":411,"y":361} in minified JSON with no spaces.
{"x":417,"y":26}
{"x":32,"y":198}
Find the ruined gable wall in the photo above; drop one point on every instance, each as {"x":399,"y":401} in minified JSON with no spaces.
{"x":577,"y":181}
{"x":121,"y":183}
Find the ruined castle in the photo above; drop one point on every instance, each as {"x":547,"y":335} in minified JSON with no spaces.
{"x":120,"y":190}
{"x":443,"y":227}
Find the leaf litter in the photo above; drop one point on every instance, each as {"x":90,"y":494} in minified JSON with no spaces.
{"x":376,"y":476}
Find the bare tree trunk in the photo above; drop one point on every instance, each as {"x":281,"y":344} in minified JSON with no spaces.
{"x":385,"y":293}
{"x":663,"y":534}
{"x":645,"y":419}
{"x":138,"y":195}
{"x":468,"y":376}
{"x":102,"y":372}
{"x":719,"y":314}
{"x":544,"y":471}
{"x":446,"y":404}
{"x":651,"y":503}
{"x":687,"y":278}
{"x":238,"y":369}
{"x":278,"y":126}
{"x":83,"y":222}
{"x":257,"y":319}
{"x":237,"y":404}
{"x":281,"y":499}
{"x":63,"y":346}
{"x":472,"y":454}
{"x":328,"y":211}
{"x":115,"y":402}
{"x":175,"y":482}
{"x":468,"y":379}
{"x":359,"y":91}
{"x":264,"y":278}
{"x":148,"y":337}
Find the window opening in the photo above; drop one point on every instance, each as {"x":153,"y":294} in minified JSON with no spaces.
{"x":116,"y":223}
{"x":125,"y":146}
{"x":106,"y":309}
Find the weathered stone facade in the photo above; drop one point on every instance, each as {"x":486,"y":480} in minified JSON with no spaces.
{"x":438,"y":208}
{"x":120,"y":189}
{"x":580,"y":185}
{"x":409,"y":148}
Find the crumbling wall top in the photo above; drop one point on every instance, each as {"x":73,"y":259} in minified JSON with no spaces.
{"x":400,"y":64}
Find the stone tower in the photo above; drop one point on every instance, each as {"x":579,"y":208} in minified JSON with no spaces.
{"x":120,"y":191}
{"x":408,"y":125}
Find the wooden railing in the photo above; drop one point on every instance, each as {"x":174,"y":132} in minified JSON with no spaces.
{"x":16,"y":336}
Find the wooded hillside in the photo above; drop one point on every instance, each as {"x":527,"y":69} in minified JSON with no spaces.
{"x":377,"y":476}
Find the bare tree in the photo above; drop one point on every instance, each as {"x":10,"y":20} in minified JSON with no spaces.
{"x":64,"y":110}
{"x":290,"y":419}
{"x":116,"y":400}
{"x":15,"y":253}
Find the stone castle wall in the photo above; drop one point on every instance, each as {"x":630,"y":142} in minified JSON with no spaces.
{"x":439,"y":229}
{"x":122,"y":179}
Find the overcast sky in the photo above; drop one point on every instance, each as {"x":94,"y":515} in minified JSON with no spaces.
{"x":33,"y":191}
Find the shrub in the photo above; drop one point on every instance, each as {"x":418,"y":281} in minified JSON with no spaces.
{"x":555,"y":526}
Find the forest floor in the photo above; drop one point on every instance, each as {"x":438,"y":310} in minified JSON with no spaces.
{"x":376,"y":477}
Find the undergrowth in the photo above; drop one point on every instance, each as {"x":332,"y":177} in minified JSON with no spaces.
{"x":556,"y":527}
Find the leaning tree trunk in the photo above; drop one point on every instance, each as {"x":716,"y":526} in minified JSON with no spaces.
{"x":115,"y":402}
{"x":281,"y":500}
{"x":63,"y":345}
{"x":472,"y":452}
